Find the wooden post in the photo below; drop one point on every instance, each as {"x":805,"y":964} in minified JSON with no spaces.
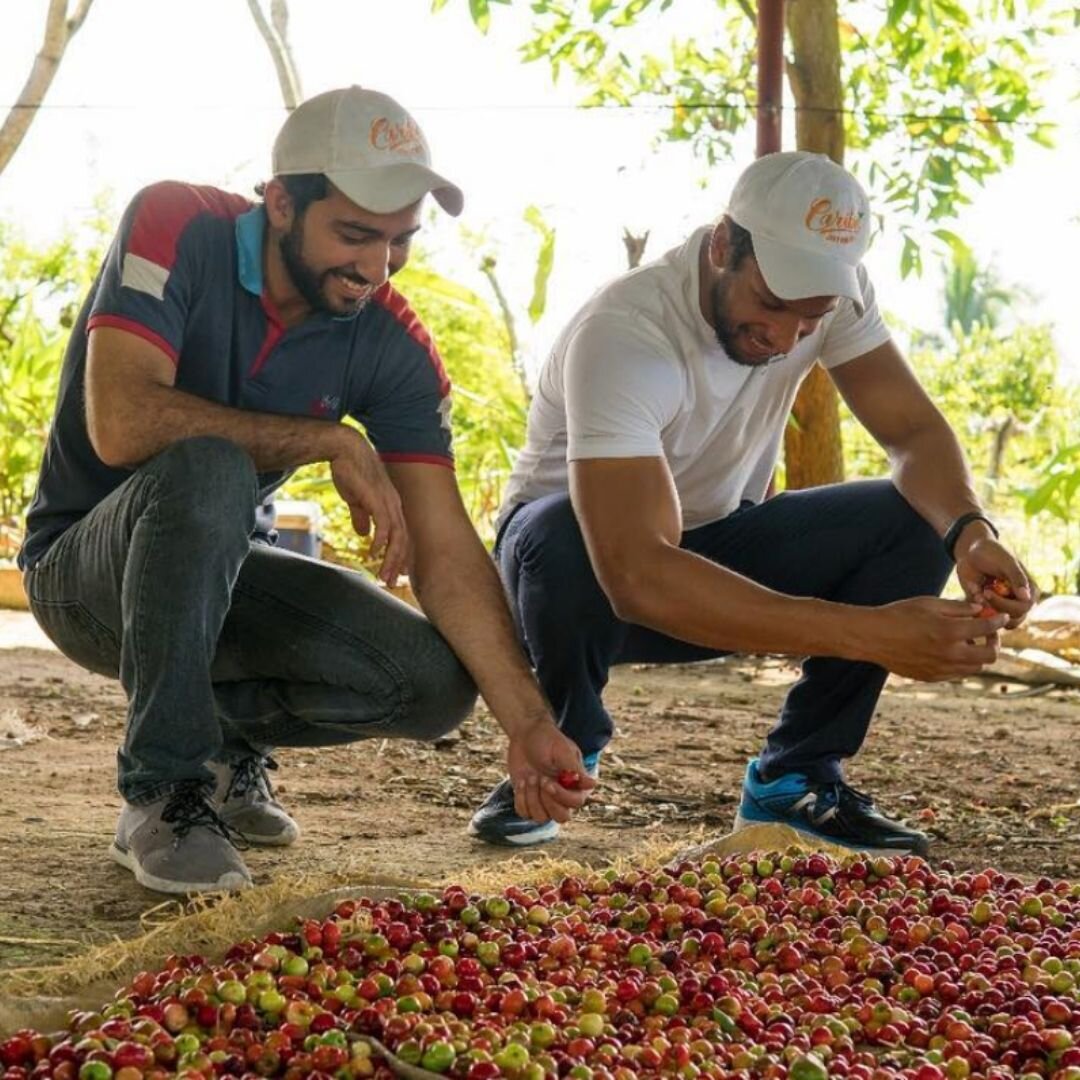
{"x":770,"y":90}
{"x":770,"y":76}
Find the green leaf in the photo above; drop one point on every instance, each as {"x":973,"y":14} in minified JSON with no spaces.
{"x":910,"y":258}
{"x":481,"y":14}
{"x":959,"y":247}
{"x":545,"y":261}
{"x":897,"y":10}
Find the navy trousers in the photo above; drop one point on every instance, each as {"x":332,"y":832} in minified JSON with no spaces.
{"x":855,"y":543}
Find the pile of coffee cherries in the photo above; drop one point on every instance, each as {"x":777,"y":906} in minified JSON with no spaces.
{"x":781,"y":966}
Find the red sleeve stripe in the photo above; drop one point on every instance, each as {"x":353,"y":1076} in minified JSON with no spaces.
{"x":118,"y":322}
{"x":165,"y":210}
{"x":389,"y":298}
{"x":425,"y":459}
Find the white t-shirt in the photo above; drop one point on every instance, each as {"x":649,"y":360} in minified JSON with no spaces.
{"x":638,"y":372}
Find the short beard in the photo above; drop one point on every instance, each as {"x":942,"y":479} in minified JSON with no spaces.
{"x":726,"y":331}
{"x":309,"y":283}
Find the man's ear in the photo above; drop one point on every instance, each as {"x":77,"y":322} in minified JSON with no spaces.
{"x":279,"y":205}
{"x":718,"y":243}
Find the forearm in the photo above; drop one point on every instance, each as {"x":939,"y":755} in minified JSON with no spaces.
{"x":136,"y":431}
{"x":931,"y":472}
{"x":459,"y":590}
{"x":686,"y":596}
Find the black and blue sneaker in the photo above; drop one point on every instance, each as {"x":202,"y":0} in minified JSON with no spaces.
{"x":834,"y":812}
{"x":497,"y":822}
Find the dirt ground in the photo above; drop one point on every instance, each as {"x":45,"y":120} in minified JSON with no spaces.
{"x":987,"y":767}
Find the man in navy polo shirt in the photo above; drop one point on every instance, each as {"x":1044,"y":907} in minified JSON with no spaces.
{"x":220,"y":348}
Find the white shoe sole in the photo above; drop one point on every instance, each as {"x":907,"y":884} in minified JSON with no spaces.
{"x":231,"y":882}
{"x":744,"y":823}
{"x":540,"y":835}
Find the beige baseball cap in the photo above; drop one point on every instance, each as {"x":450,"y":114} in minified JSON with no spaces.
{"x":810,"y":223}
{"x":368,"y":146}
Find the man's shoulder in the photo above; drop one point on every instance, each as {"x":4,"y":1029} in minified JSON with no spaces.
{"x":163,"y":212}
{"x":176,"y":198}
{"x":404,"y":330}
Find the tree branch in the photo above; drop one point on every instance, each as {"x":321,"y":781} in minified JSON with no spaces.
{"x":59,"y":30}
{"x":748,"y":10}
{"x":78,"y":18}
{"x":487,"y":267}
{"x":288,"y":79}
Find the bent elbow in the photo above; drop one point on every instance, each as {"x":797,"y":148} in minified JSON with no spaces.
{"x":110,"y":450}
{"x":626,"y":593}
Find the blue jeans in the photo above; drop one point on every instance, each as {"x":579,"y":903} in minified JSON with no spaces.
{"x":855,"y":543}
{"x":226,"y":647}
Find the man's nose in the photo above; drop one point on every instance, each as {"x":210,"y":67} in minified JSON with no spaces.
{"x":374,"y":264}
{"x":784,"y":334}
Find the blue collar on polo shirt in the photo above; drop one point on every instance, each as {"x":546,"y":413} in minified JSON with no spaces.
{"x":250,"y":232}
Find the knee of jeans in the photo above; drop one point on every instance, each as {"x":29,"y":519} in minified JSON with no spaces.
{"x":443,"y":695}
{"x":210,"y":475}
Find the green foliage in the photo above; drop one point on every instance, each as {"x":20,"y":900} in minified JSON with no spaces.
{"x":489,"y":404}
{"x":980,"y":381}
{"x":545,"y":261}
{"x":1051,"y":504}
{"x":30,"y":358}
{"x":985,"y":377}
{"x":974,"y":295}
{"x":1055,"y":493}
{"x":480,"y":10}
{"x":937,"y":93}
{"x":39,"y":293}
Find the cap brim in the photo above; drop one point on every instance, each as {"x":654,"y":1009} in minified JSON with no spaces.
{"x":794,"y":274}
{"x":393,"y":187}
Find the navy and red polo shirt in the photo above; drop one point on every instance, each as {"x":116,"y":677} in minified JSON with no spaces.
{"x":185,"y":272}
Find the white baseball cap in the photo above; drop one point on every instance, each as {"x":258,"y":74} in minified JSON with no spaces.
{"x":810,"y":223}
{"x":368,"y":146}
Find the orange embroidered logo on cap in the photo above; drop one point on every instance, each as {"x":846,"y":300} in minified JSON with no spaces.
{"x":836,"y":226}
{"x":400,"y":138}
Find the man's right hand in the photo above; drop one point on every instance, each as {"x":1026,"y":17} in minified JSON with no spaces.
{"x":930,"y":639}
{"x":362,"y":482}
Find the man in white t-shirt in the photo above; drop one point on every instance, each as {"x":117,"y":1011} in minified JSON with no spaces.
{"x":636,"y":526}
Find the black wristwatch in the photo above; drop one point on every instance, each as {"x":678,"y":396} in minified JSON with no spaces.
{"x":960,"y":524}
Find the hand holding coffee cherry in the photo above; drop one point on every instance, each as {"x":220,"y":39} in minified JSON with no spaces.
{"x":569,"y":779}
{"x":1001,"y":588}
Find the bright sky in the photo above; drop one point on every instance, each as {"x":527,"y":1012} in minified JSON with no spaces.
{"x":154,"y":89}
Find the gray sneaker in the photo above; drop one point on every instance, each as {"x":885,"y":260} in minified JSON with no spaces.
{"x":244,"y":798}
{"x":179,"y":844}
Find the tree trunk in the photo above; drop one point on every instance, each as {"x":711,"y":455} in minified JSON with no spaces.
{"x":813,"y":451}
{"x":59,"y":30}
{"x":275,"y":34}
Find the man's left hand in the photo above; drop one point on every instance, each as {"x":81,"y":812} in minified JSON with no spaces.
{"x":980,"y":563}
{"x":535,"y":758}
